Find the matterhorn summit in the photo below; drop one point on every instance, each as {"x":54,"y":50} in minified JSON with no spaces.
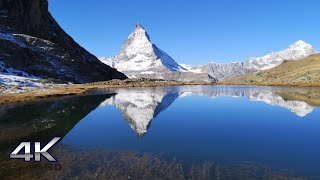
{"x":139,"y":57}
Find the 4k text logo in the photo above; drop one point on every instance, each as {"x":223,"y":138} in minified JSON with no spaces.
{"x":28,"y":155}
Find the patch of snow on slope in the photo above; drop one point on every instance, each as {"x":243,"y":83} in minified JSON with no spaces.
{"x":11,"y":38}
{"x":147,"y":72}
{"x":192,"y":68}
{"x":15,"y":81}
{"x":36,"y":42}
{"x":27,"y":41}
{"x":107,"y":61}
{"x":167,"y":61}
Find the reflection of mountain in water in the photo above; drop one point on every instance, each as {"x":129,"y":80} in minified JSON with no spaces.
{"x":44,"y":120}
{"x":298,"y":107}
{"x":140,"y":106}
{"x":268,"y":95}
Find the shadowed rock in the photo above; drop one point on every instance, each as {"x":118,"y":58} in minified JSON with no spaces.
{"x":32,"y":41}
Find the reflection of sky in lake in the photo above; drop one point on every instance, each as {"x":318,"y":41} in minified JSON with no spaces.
{"x":219,"y":123}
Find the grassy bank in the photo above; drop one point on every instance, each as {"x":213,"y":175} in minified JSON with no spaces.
{"x":302,"y":73}
{"x":77,"y":89}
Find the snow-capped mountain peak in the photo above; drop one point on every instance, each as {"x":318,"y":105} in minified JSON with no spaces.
{"x":138,"y":26}
{"x":138,"y":56}
{"x":302,"y":48}
{"x":138,"y":42}
{"x":300,"y":43}
{"x":296,"y":51}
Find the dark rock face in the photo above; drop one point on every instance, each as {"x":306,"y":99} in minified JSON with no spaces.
{"x":32,"y":41}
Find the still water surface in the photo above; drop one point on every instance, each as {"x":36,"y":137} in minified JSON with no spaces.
{"x":200,"y":132}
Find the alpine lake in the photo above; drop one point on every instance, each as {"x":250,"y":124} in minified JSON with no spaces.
{"x":183,"y":132}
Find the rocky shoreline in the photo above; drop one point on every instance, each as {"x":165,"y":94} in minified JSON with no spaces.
{"x":37,"y":94}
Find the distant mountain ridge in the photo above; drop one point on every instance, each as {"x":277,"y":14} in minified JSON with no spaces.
{"x":219,"y":70}
{"x":304,"y":72}
{"x":296,"y":51}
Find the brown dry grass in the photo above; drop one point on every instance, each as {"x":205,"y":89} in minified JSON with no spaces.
{"x":39,"y":94}
{"x":102,"y":164}
{"x":305,"y":72}
{"x":77,"y":89}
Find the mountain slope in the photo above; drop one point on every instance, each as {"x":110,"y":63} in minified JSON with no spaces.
{"x":219,"y":70}
{"x":296,"y":51}
{"x":138,"y":57}
{"x":32,"y":41}
{"x":305,"y":72}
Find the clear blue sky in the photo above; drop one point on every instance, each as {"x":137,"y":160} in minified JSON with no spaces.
{"x":193,"y":32}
